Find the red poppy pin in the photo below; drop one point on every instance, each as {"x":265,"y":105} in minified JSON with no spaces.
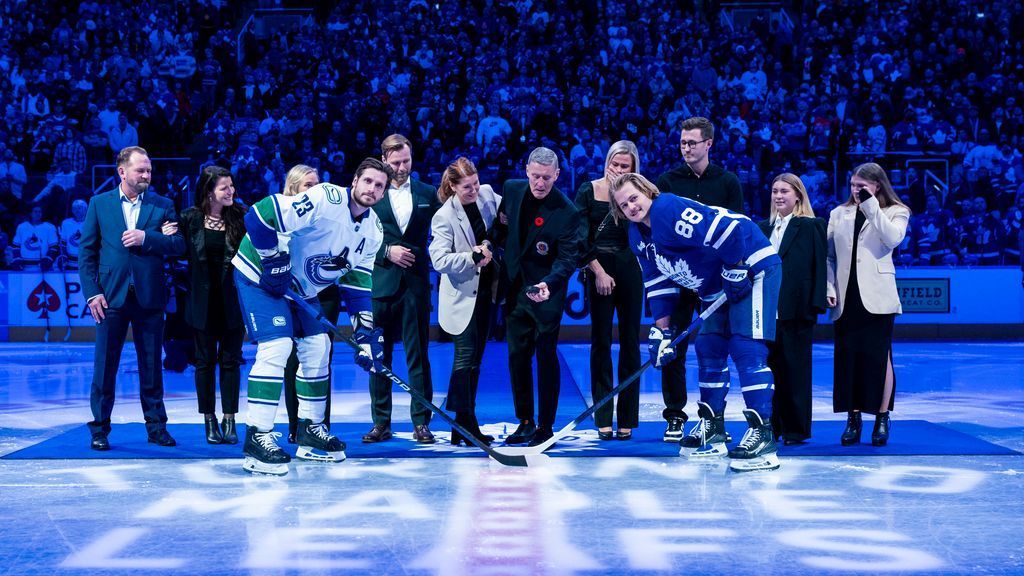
{"x":538,"y":221}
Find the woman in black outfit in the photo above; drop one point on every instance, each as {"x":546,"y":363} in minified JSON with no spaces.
{"x":799,"y":238}
{"x":614,"y":283}
{"x":213,"y":229}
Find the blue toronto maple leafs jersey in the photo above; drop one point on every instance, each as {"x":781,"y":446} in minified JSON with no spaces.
{"x":688,"y":245}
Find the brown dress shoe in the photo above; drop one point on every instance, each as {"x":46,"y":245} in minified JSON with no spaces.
{"x":423,"y":435}
{"x":379,"y":433}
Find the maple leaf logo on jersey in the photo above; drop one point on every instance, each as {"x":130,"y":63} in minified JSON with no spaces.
{"x":678,"y":271}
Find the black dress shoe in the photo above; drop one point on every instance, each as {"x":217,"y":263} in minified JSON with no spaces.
{"x":458,"y":439}
{"x":609,"y":435}
{"x":161,"y":438}
{"x":523,"y":433}
{"x":793,"y":440}
{"x":880,"y":435}
{"x":213,"y":433}
{"x":227,"y":430}
{"x":423,"y":435}
{"x":99,"y":442}
{"x":541,"y":435}
{"x":379,"y":433}
{"x":623,"y":434}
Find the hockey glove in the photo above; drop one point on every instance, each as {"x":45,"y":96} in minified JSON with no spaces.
{"x":276,"y":276}
{"x":659,"y":346}
{"x":736,"y":283}
{"x":371,"y":349}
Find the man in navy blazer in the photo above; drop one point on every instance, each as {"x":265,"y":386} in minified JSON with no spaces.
{"x":122,"y":254}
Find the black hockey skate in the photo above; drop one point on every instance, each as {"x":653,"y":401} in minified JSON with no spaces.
{"x":317,"y":444}
{"x":262,"y":454}
{"x":707,"y":438}
{"x":757,"y":449}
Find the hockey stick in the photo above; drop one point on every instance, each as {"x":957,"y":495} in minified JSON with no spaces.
{"x":506,"y":459}
{"x":534,"y":450}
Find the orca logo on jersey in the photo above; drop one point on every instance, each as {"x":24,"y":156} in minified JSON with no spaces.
{"x":325,"y":269}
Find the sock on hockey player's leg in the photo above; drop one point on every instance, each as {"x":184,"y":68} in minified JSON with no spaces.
{"x":313,"y":379}
{"x":265,"y":381}
{"x":756,"y":380}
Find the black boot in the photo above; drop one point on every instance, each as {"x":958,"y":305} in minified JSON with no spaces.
{"x":880,"y":435}
{"x":227,"y":429}
{"x":851,"y":435}
{"x":474,"y":428}
{"x":213,"y":434}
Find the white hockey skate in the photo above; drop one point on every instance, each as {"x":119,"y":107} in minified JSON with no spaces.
{"x":707,"y":438}
{"x":263,"y":455}
{"x":757,"y":449}
{"x":317,"y":444}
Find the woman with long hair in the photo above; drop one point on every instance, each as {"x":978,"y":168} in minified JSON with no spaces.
{"x":799,"y":238}
{"x":614,"y":284}
{"x":461,"y":253}
{"x":862,"y":233}
{"x":212,"y":230}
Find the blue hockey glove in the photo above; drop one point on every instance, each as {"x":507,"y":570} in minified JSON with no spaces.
{"x":276,"y":276}
{"x":371,"y":349}
{"x":736,"y":283}
{"x":659,"y":346}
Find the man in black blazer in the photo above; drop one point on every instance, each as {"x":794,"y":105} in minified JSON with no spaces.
{"x":708,"y":183}
{"x":401,"y":288}
{"x":801,"y":243}
{"x":121,"y":266}
{"x":540,"y":231}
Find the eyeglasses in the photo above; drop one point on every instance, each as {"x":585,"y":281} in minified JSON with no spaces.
{"x":691,"y":143}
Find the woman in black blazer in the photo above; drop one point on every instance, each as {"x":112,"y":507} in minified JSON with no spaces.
{"x":212,"y":230}
{"x":799,"y":238}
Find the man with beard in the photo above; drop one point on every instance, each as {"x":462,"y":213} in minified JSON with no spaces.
{"x":121,"y":259}
{"x":332,"y":237}
{"x":401,"y":288}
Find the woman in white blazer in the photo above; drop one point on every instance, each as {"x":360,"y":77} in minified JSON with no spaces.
{"x":861,"y":292}
{"x":461,"y":253}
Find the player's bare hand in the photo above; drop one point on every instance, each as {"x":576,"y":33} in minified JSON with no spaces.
{"x":401,"y":256}
{"x":133,"y":238}
{"x":542,"y":293}
{"x":97,"y":307}
{"x":169,"y":228}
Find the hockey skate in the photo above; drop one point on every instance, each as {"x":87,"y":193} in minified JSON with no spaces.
{"x":757,"y":449}
{"x":262,"y":454}
{"x":317,"y":444}
{"x":707,"y":438}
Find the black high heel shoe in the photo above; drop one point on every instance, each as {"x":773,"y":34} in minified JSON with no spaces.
{"x":880,"y":435}
{"x":851,"y":435}
{"x":458,"y":439}
{"x":609,"y":435}
{"x":213,"y":434}
{"x":227,"y":429}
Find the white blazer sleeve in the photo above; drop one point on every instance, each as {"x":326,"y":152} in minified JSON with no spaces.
{"x":830,"y":273}
{"x":442,"y":246}
{"x":890,"y":231}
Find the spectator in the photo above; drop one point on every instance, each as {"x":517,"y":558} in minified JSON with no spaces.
{"x":123,"y":135}
{"x":35,"y":243}
{"x":71,"y":234}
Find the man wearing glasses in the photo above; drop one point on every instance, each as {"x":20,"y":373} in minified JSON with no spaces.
{"x":697,"y":179}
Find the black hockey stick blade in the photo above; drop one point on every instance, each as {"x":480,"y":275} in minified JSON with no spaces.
{"x":505,"y":459}
{"x":534,"y":450}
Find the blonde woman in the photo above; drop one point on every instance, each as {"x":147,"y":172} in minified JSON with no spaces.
{"x":461,"y":253}
{"x":862,"y":234}
{"x":799,"y":238}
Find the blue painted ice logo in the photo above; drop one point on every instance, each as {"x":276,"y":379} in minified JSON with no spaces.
{"x":325,"y":269}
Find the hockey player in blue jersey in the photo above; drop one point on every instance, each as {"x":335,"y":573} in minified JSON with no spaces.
{"x":325,"y":235}
{"x":683,"y":244}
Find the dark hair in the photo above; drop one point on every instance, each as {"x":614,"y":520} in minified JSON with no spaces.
{"x":374,"y":164}
{"x":873,"y":172}
{"x":707,"y":129}
{"x":234,"y":215}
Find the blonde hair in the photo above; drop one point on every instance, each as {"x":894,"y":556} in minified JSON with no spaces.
{"x":294,"y":178}
{"x":623,"y":147}
{"x":872,"y":172}
{"x":803,"y":206}
{"x":639,"y":182}
{"x":462,"y":168}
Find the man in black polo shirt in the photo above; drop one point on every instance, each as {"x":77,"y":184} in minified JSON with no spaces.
{"x":697,"y":179}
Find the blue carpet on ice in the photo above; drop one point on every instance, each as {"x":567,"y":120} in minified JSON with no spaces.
{"x":128,"y":441}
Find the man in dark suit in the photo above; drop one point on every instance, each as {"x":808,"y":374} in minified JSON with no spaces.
{"x":122,"y":252}
{"x":401,"y":288}
{"x":701,"y":180}
{"x":541,"y":235}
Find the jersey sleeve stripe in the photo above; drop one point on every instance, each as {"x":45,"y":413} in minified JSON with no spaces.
{"x":277,"y":210}
{"x":728,"y":231}
{"x":650,"y":283}
{"x":713,"y":227}
{"x":760,"y":255}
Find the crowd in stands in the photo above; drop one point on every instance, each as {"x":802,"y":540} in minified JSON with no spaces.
{"x":812,"y":91}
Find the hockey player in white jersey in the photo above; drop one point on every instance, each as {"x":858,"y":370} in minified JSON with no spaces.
{"x":304,"y":243}
{"x":683,"y":243}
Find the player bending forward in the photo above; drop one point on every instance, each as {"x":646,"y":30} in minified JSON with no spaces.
{"x":680,"y":242}
{"x":326,"y":235}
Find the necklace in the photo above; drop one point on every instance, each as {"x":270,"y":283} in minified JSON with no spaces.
{"x":213,"y":223}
